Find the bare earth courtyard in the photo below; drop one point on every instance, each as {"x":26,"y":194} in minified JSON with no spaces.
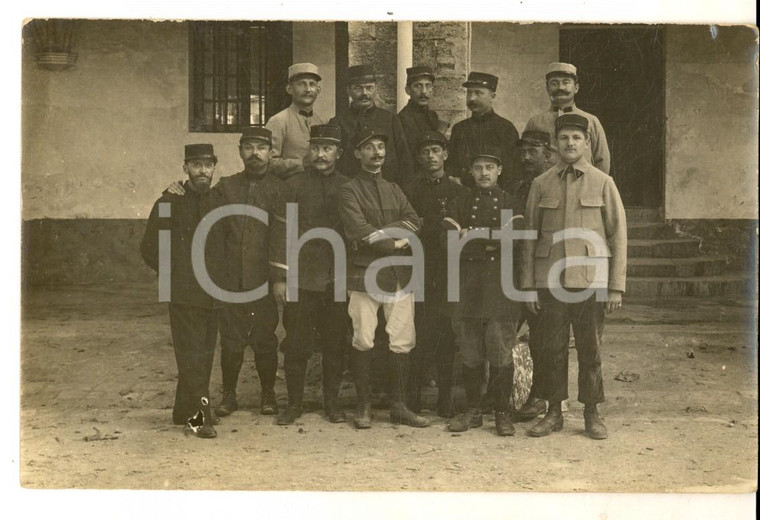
{"x":97,"y":363}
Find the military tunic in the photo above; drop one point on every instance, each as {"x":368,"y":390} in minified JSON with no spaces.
{"x":398,"y":166}
{"x":598,"y":154}
{"x":469,"y":135}
{"x":417,"y":120}
{"x":290,"y":140}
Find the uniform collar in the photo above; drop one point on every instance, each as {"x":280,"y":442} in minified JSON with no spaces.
{"x":321,"y":176}
{"x":364,"y":174}
{"x":579,"y":168}
{"x":358,"y":111}
{"x":485,"y":115}
{"x":564,"y":110}
{"x":490,"y":192}
{"x":300,"y":112}
{"x":254,"y":177}
{"x":436,"y":181}
{"x":417,"y":108}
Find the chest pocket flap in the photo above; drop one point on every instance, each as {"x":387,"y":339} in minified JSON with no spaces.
{"x":548,"y":203}
{"x":592,"y":202}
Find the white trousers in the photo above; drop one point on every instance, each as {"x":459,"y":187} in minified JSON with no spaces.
{"x":399,"y":319}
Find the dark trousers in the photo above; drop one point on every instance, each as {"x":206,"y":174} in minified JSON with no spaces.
{"x":194,"y":332}
{"x":554,"y":320}
{"x":246,"y":324}
{"x":315,"y":323}
{"x":435,"y":339}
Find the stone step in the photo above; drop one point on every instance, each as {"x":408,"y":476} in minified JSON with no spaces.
{"x":721,"y":285}
{"x":676,"y":267}
{"x":643,"y":215}
{"x":650,"y":230}
{"x":663,"y":248}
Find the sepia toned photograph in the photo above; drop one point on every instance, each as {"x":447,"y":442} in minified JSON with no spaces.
{"x":388,"y":256}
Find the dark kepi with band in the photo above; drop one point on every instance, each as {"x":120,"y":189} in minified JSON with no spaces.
{"x":199,"y":151}
{"x":367,"y":134}
{"x":360,"y":74}
{"x":536,"y":137}
{"x":420,"y":71}
{"x":574,"y":120}
{"x":431,"y":136}
{"x":324,"y":133}
{"x":481,"y":79}
{"x":487,"y":151}
{"x":259,"y":133}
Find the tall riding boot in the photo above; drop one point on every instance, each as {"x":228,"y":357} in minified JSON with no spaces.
{"x":472,"y":418}
{"x":232,"y":362}
{"x":362,"y":364}
{"x":266,"y":367}
{"x":399,"y":373}
{"x":503,"y":380}
{"x":295,"y":376}
{"x":332,"y":373}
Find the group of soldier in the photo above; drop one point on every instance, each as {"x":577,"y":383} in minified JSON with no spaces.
{"x":385,"y":182}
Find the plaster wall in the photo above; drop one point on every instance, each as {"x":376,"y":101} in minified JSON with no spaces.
{"x":711,"y":124}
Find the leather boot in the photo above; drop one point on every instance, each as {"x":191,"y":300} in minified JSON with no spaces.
{"x":415,"y":381}
{"x":332,"y":373}
{"x":532,"y":408}
{"x":266,"y":367}
{"x":595,"y":428}
{"x":232,"y":362}
{"x":362,"y":364}
{"x":552,"y":421}
{"x":228,"y":405}
{"x":202,"y":423}
{"x":503,"y":380}
{"x":295,"y":377}
{"x":445,"y":405}
{"x":400,"y":412}
{"x":472,"y":418}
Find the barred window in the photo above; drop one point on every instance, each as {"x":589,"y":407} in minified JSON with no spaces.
{"x":238,"y":72}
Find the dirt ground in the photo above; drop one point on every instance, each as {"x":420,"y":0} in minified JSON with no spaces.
{"x":99,"y":359}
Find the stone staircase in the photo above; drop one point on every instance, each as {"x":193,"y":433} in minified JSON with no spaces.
{"x":660,"y":263}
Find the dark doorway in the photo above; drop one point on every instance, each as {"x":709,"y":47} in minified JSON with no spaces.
{"x":621,"y":76}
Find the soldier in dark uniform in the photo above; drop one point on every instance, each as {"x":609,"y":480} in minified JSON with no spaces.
{"x":193,"y":314}
{"x":485,"y":320}
{"x":431,"y":193}
{"x":363,"y":114}
{"x":536,"y":152}
{"x":483,"y":127}
{"x":255,"y":254}
{"x":417,"y":117}
{"x":316,"y":317}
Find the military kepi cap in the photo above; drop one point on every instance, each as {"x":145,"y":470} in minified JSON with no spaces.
{"x":481,"y":79}
{"x":258,"y":133}
{"x":360,"y":74}
{"x":324,"y":133}
{"x":367,"y":134}
{"x":303,"y":69}
{"x":574,"y":120}
{"x":199,"y":151}
{"x":431,"y":136}
{"x":420,"y":71}
{"x":536,"y":137}
{"x":488,"y":151}
{"x":558,"y":68}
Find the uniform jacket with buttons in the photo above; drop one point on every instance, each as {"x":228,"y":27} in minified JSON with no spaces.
{"x":290,"y":140}
{"x":370,"y":204}
{"x":317,"y":197}
{"x":254,"y":251}
{"x":398,"y":166}
{"x":432,"y":199}
{"x":481,"y":293}
{"x":185,"y":213}
{"x":583,"y":198}
{"x":469,"y":135}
